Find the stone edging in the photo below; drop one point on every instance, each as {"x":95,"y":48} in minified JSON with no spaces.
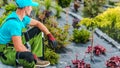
{"x":98,"y":32}
{"x":107,"y":38}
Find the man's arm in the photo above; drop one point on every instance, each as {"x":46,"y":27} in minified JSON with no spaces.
{"x":40,"y":26}
{"x":18,"y":44}
{"x":51,"y":39}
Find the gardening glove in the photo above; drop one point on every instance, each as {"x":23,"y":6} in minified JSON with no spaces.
{"x":51,"y":40}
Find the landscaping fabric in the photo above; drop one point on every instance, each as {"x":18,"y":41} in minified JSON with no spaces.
{"x":69,"y":53}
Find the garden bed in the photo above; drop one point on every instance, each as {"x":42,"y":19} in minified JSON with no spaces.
{"x":69,"y":53}
{"x":79,"y":49}
{"x":72,"y":49}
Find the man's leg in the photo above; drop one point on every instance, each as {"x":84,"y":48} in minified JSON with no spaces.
{"x":37,"y":45}
{"x":26,"y":59}
{"x":34,"y":36}
{"x":36,"y":41}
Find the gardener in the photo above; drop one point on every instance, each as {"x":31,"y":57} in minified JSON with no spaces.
{"x":11,"y":31}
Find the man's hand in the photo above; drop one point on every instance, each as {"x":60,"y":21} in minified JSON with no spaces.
{"x":51,"y":40}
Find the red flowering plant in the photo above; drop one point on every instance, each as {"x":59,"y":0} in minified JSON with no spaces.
{"x":79,"y":63}
{"x":113,"y":62}
{"x":98,"y":49}
{"x":68,"y":66}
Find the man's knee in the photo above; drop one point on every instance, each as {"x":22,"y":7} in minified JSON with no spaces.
{"x":28,"y":56}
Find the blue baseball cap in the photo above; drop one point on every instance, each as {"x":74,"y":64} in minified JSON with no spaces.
{"x":24,"y":3}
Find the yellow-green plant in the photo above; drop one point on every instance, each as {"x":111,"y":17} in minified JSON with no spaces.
{"x":109,"y":17}
{"x":47,"y":4}
{"x":36,"y":10}
{"x":108,"y":22}
{"x":1,"y":3}
{"x":88,"y":22}
{"x":2,"y":18}
{"x":112,"y":17}
{"x":38,"y":1}
{"x":10,"y":7}
{"x":58,"y":10}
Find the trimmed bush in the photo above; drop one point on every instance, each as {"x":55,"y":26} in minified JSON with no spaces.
{"x":81,"y":36}
{"x":93,"y":7}
{"x":10,"y":7}
{"x":51,"y":56}
{"x":61,"y":34}
{"x":1,"y":3}
{"x":64,"y":3}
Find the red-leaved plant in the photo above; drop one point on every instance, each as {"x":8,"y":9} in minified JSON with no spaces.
{"x":75,"y":22}
{"x":79,"y":63}
{"x":97,"y":50}
{"x":113,"y":62}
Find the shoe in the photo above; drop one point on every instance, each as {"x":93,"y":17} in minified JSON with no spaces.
{"x":41,"y":63}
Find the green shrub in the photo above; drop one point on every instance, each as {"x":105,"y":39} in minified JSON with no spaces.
{"x":111,"y":3}
{"x":61,"y":34}
{"x":117,"y":4}
{"x":108,"y":22}
{"x":93,"y":7}
{"x":10,"y":7}
{"x":111,"y":21}
{"x":35,"y":12}
{"x":5,"y":1}
{"x":64,"y":3}
{"x":58,"y":10}
{"x":47,"y":4}
{"x":88,"y":22}
{"x":81,"y":36}
{"x":51,"y":56}
{"x":2,"y":18}
{"x":1,"y":3}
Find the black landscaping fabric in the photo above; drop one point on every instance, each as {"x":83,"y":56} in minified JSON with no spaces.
{"x":69,"y":53}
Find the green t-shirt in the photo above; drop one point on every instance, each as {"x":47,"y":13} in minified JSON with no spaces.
{"x":12,"y":27}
